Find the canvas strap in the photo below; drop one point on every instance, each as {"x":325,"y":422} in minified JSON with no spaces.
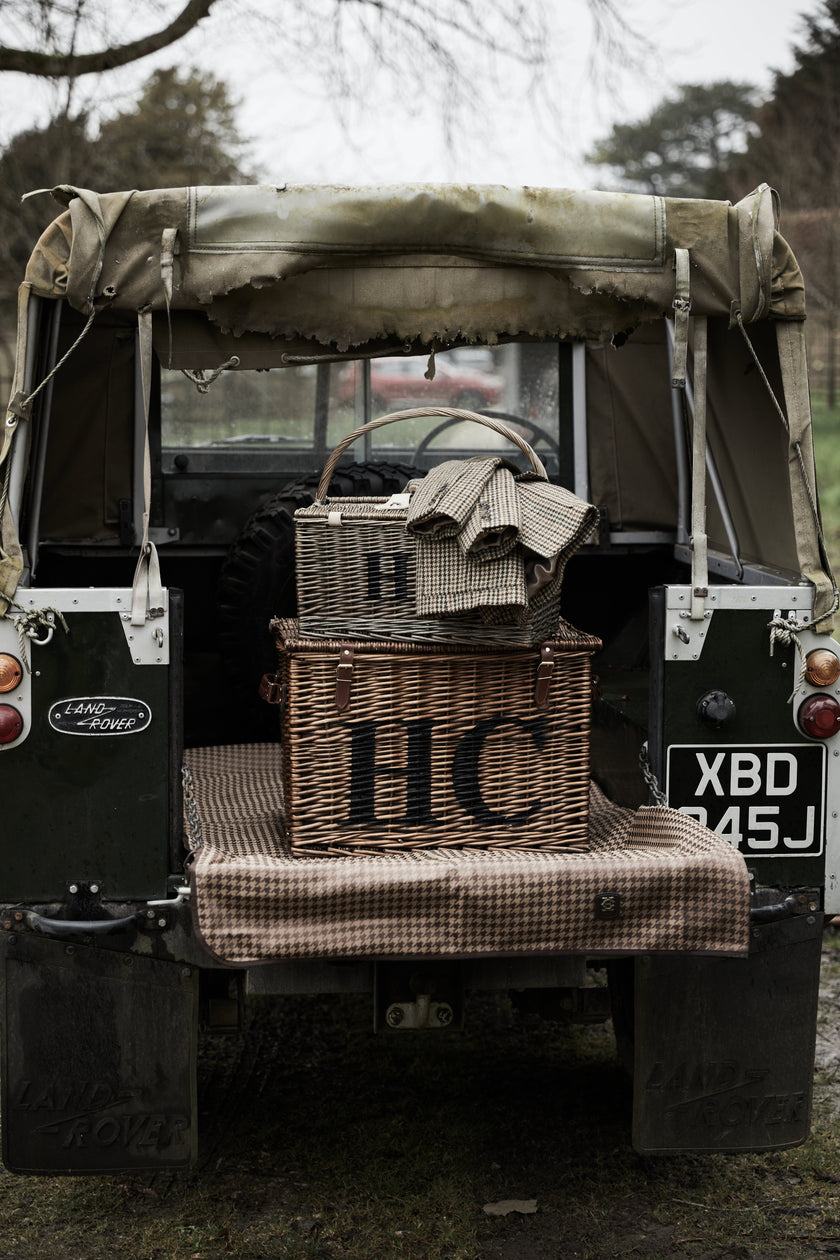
{"x":812,"y":555}
{"x":147,"y":589}
{"x":699,"y":541}
{"x":168,"y":250}
{"x":682,"y":309}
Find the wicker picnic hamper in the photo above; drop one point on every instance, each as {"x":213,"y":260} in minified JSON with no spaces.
{"x":357,"y":563}
{"x":390,"y":746}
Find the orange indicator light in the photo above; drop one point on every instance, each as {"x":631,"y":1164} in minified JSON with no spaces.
{"x":10,"y":672}
{"x":822,"y":667}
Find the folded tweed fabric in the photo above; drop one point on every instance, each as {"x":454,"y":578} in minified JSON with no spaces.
{"x":490,"y":541}
{"x":450,"y":582}
{"x":553,"y":521}
{"x":492,"y":528}
{"x":442,"y":501}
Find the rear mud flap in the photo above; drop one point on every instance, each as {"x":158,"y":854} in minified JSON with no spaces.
{"x":98,"y":1059}
{"x":724,"y":1048}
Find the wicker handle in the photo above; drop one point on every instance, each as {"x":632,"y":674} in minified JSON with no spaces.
{"x":456,"y":413}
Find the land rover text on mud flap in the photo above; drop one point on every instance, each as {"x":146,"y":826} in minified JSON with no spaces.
{"x":187,"y":362}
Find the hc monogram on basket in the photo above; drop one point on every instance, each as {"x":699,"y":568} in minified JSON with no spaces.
{"x":413,"y":808}
{"x":394,"y":746}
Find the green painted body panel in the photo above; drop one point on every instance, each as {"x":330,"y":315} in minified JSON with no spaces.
{"x":84,"y":806}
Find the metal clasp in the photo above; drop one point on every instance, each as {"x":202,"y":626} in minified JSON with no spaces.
{"x":272,"y":690}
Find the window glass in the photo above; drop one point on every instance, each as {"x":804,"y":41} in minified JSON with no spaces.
{"x":301,"y":413}
{"x":518,"y":384}
{"x":259,"y":408}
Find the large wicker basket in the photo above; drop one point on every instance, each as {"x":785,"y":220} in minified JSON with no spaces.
{"x":357,"y":565}
{"x":390,"y":746}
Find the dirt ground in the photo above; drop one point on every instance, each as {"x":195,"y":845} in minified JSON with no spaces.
{"x":320,"y":1140}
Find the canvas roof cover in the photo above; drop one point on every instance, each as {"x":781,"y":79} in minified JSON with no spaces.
{"x":346,"y":266}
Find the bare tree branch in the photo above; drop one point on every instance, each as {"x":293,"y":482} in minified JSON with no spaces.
{"x":72,"y":64}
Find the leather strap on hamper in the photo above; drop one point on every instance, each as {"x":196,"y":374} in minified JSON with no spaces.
{"x":545,"y":670}
{"x":272,"y":690}
{"x":344,"y":677}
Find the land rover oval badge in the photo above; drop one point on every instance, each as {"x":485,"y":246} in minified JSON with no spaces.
{"x":100,"y":715}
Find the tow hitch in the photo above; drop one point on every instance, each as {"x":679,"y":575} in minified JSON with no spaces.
{"x":409,"y":997}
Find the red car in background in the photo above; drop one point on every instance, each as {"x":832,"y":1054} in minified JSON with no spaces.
{"x":403,"y":382}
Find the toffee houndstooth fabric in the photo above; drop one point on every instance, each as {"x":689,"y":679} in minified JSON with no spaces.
{"x":479,"y":531}
{"x":673,"y":885}
{"x":443,"y":501}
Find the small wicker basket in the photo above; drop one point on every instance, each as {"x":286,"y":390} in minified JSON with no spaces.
{"x":357,"y":565}
{"x":390,"y":746}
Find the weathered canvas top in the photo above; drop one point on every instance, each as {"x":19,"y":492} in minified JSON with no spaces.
{"x":346,"y":266}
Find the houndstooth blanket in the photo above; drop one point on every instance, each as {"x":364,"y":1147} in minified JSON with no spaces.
{"x":651,"y":881}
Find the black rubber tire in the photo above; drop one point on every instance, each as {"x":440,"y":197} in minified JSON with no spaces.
{"x":257,"y":581}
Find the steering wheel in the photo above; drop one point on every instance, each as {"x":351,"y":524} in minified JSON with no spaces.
{"x":533,"y":434}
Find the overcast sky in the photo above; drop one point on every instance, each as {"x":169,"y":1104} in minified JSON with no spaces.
{"x":695,"y":41}
{"x":390,"y":134}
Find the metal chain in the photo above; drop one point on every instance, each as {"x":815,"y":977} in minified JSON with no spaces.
{"x":191,"y":808}
{"x":649,"y":777}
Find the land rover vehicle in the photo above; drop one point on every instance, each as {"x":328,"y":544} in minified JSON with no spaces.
{"x":177,"y":392}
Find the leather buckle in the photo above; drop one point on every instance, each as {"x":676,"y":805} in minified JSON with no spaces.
{"x":545,"y":672}
{"x":344,"y":677}
{"x":272,"y":690}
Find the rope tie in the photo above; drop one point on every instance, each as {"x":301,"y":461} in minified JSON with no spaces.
{"x":4,"y":492}
{"x":21,"y":403}
{"x":786,"y":630}
{"x":203,"y":380}
{"x":29,"y":625}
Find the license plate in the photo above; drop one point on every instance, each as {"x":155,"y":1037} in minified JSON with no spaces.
{"x":767,"y":800}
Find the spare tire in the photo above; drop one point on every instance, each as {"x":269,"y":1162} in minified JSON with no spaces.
{"x":257,"y":580}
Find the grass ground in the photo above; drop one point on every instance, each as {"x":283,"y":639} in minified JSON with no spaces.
{"x":827,"y":450}
{"x":321,"y":1140}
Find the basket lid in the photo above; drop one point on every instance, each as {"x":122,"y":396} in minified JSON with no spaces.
{"x":565,"y":638}
{"x":383,"y":508}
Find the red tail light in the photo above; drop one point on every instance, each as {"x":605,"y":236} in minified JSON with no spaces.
{"x":11,"y":724}
{"x":819,"y":717}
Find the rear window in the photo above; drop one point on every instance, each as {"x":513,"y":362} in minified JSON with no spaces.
{"x":285,"y":412}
